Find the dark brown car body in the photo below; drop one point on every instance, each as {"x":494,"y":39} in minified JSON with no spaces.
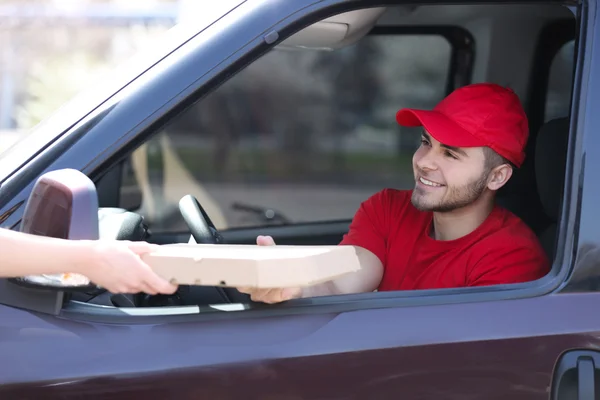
{"x":529,"y":341}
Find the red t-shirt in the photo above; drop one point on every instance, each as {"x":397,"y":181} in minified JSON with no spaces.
{"x":503,"y":249}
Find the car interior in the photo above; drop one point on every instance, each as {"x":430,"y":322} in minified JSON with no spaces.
{"x":528,"y":47}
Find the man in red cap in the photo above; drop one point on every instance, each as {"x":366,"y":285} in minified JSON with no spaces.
{"x":447,"y":232}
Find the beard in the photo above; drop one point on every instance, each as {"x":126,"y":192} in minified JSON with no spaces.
{"x":455,"y":197}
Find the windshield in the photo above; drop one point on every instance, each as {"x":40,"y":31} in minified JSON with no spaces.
{"x":61,"y":60}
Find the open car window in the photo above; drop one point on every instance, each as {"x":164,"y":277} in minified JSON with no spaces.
{"x":297,"y":137}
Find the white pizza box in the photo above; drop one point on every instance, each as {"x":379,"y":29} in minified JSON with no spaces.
{"x":251,"y":265}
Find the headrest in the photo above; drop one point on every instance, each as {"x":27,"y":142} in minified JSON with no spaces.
{"x":550,"y":164}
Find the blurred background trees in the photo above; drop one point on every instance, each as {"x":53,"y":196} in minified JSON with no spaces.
{"x":52,"y":49}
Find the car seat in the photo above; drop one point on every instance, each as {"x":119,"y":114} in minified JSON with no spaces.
{"x":550,"y":168}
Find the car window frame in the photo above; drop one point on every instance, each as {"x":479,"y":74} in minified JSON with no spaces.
{"x":335,"y":304}
{"x":344,"y":303}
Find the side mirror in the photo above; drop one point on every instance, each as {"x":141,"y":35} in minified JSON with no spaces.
{"x":63,"y":204}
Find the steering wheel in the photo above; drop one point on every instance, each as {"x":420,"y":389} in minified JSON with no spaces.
{"x":201,"y":227}
{"x":203,"y":230}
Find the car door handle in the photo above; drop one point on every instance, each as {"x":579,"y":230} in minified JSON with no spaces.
{"x":585,"y":379}
{"x":575,"y":376}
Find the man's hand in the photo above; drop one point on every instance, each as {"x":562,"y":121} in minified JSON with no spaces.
{"x":366,"y":279}
{"x":116,"y":266}
{"x":270,"y":295}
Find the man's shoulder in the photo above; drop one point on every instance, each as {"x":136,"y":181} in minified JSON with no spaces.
{"x":513,"y":225}
{"x":509,"y":232}
{"x":509,"y":252}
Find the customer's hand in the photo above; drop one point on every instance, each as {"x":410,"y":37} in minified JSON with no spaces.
{"x":270,"y":295}
{"x":116,"y":266}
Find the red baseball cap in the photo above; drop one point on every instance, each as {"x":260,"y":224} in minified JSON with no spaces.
{"x":477,"y":115}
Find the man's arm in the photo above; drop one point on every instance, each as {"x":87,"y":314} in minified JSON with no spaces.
{"x":367,"y":235}
{"x":366,"y":279}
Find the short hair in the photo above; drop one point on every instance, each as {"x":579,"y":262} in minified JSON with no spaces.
{"x":493,"y":159}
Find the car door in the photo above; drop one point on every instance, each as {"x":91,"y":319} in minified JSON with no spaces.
{"x":494,"y":351}
{"x":505,"y":342}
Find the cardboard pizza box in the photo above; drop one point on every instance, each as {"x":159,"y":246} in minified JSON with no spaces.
{"x":252,"y":265}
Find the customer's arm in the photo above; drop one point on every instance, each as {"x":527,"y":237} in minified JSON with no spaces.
{"x":114,"y":265}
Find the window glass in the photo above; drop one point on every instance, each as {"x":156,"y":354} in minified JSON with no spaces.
{"x":560,"y":83}
{"x":307,"y":134}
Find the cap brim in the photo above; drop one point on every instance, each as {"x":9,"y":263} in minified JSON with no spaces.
{"x":440,"y":127}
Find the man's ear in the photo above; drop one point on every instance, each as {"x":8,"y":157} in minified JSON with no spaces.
{"x":499,"y":176}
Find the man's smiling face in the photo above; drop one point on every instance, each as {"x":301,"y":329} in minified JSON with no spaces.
{"x":447,"y":178}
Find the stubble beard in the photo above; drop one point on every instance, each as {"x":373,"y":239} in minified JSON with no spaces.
{"x":454,"y":198}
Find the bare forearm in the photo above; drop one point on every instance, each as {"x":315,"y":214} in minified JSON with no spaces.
{"x":25,"y":254}
{"x":323,"y":289}
{"x":367,"y":279}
